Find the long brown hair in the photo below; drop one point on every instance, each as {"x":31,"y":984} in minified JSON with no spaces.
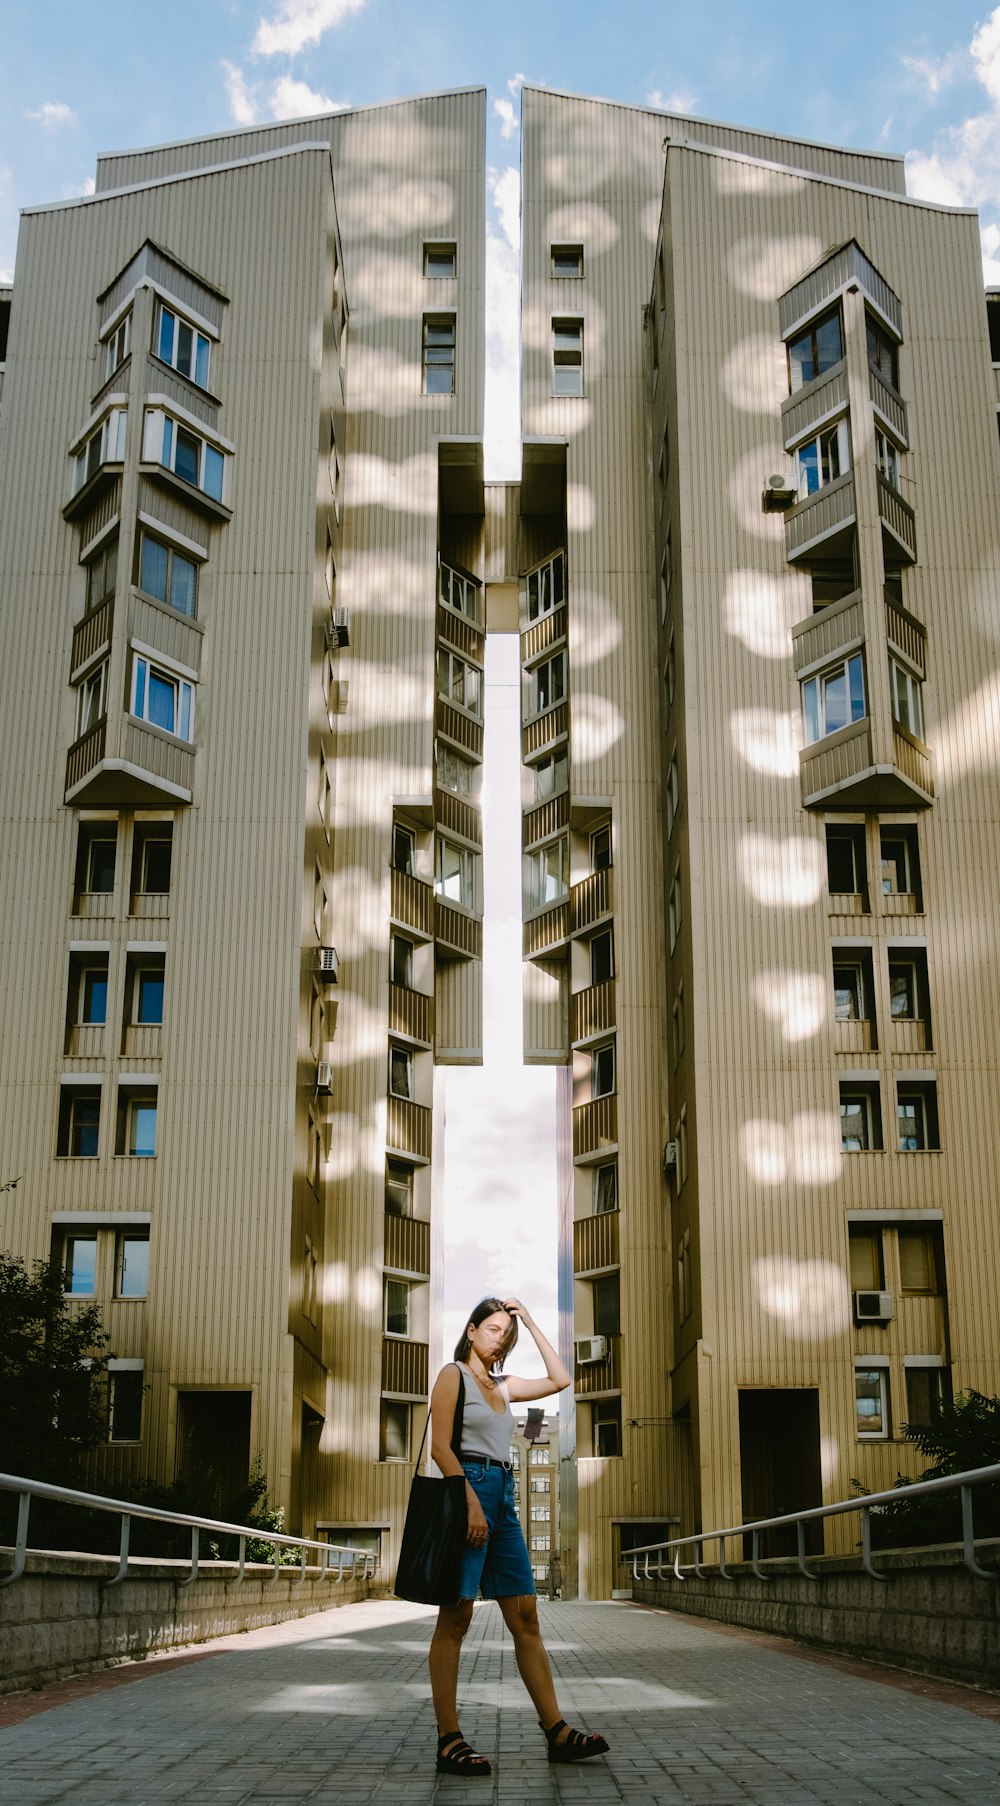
{"x":485,"y":1308}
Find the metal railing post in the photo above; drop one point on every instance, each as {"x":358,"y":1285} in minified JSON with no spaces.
{"x":800,"y":1538}
{"x":121,"y":1571}
{"x":188,"y":1578}
{"x":969,"y":1538}
{"x":866,"y":1544}
{"x":755,"y":1556}
{"x":677,"y":1564}
{"x":21,"y":1542}
{"x":241,"y":1573}
{"x":698,"y":1547}
{"x":723,"y":1570}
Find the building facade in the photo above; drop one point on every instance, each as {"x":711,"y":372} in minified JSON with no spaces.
{"x":535,"y":1454}
{"x":752,"y":562}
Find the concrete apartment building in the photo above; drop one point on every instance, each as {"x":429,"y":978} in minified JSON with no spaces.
{"x":752,"y":562}
{"x":535,"y":1453}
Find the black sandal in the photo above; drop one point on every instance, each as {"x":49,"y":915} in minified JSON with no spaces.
{"x":459,"y":1758}
{"x":575,"y":1746}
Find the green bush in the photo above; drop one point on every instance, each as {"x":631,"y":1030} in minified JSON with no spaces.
{"x":965,"y":1435}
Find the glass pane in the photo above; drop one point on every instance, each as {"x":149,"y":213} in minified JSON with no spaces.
{"x":186,"y":456}
{"x":847,"y":993}
{"x":80,"y":1272}
{"x":166,"y":345}
{"x":101,"y":866}
{"x":902,"y":992}
{"x":201,"y":362}
{"x":603,"y":1071}
{"x":829,"y":344}
{"x":215,"y":467}
{"x":399,"y":1073}
{"x":830,"y":449}
{"x":94,"y":998}
{"x":438,"y":381}
{"x":866,"y":1261}
{"x":916,"y":1260}
{"x":911,"y":1125}
{"x":800,"y":362}
{"x":126,"y":1406}
{"x":183,"y":585}
{"x":149,"y":997}
{"x":835,"y":701}
{"x":142,"y":1128}
{"x":870,"y":1394}
{"x":856,"y":684}
{"x":439,"y":332}
{"x":853,"y":1124}
{"x":605,"y":1190}
{"x":133,"y":1266}
{"x":153,"y":568}
{"x":162,"y":702}
{"x":567,"y":337}
{"x":185,"y":347}
{"x":840,"y":864}
{"x":807,"y":459}
{"x":895,"y":877}
{"x":85,"y":1122}
{"x":810,"y":710}
{"x":184,"y":724}
{"x":397,"y":1312}
{"x":567,"y":379}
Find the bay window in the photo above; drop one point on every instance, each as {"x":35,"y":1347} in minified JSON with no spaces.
{"x":455,"y":873}
{"x":547,"y":873}
{"x":833,"y":698}
{"x":815,"y":350}
{"x":162,"y":698}
{"x":187,"y":454}
{"x":182,"y":346}
{"x":822,"y":459}
{"x":907,"y":698}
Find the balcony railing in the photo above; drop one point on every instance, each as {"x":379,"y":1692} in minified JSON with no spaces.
{"x":412,"y":903}
{"x":595,"y":1126}
{"x":815,"y":402}
{"x":85,"y":754}
{"x":404,"y":1367}
{"x":912,"y":759}
{"x":545,"y":820}
{"x":856,"y":1037}
{"x":407,"y":1245}
{"x":455,"y":814}
{"x":591,"y":900}
{"x":546,"y":933}
{"x":596,"y":1377}
{"x":593,"y":1011}
{"x":408,"y":1128}
{"x":542,"y":634}
{"x":891,"y":406}
{"x":595,"y":1243}
{"x":833,"y":629}
{"x":411,"y":1014}
{"x":545,"y":730}
{"x":457,"y":932}
{"x":815,"y":521}
{"x":460,"y":634}
{"x":91,"y":636}
{"x":832,"y":762}
{"x":906,"y":633}
{"x":897,"y":518}
{"x":459,"y":727}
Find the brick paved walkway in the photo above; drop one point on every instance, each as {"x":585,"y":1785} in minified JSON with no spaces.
{"x":334,"y":1710}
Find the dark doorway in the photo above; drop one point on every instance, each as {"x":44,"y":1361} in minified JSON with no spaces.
{"x":780,"y":1464}
{"x":213,"y":1441}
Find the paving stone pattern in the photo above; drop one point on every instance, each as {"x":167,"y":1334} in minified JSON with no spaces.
{"x":335,"y":1710}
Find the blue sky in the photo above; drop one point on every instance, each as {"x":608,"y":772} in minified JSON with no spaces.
{"x":919,"y":79}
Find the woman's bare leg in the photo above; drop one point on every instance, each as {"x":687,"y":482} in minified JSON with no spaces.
{"x":446,"y":1647}
{"x":520,"y":1614}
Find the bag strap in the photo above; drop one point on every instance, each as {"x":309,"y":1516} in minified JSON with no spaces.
{"x":456,"y":1428}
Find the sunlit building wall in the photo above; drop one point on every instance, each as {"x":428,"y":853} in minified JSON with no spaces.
{"x":242,"y":890}
{"x":779,"y":695}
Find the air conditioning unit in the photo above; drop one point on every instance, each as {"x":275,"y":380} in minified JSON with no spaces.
{"x":324,"y":1078}
{"x":329,"y":965}
{"x":590,"y":1349}
{"x":338,"y":628}
{"x":670,"y":1156}
{"x":779,"y":493}
{"x":873,"y":1307}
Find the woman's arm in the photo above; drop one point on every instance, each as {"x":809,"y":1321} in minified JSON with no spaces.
{"x":520,"y":1390}
{"x":444,"y":1398}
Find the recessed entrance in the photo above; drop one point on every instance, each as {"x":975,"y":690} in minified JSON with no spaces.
{"x":780,"y":1463}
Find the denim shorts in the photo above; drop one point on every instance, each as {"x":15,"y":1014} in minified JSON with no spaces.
{"x":501,"y":1569}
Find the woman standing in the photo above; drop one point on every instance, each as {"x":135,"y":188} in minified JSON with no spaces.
{"x":496,"y":1559}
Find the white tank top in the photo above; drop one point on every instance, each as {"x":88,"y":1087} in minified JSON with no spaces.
{"x":485,"y":1431}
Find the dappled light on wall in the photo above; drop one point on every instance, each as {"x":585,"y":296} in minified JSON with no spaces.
{"x":810,"y":1298}
{"x":766,"y":267}
{"x":782,"y":873}
{"x":766,"y":740}
{"x":969,"y":739}
{"x":409,"y":487}
{"x":806,"y":1149}
{"x":759,"y":610}
{"x":755,"y":374}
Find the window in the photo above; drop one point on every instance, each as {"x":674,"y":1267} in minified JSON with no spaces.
{"x":600,"y":849}
{"x":547,"y":683}
{"x":916,"y":1111}
{"x":459,"y":681}
{"x":602,"y":1070}
{"x":663,"y":472}
{"x":540,"y":1483}
{"x":79,"y":1259}
{"x":871,"y":1394}
{"x":401,"y":961}
{"x":666,"y":575}
{"x":815,"y":351}
{"x":679,"y":1023}
{"x":822,"y":459}
{"x":440,"y":261}
{"x":453,"y":772}
{"x":105,"y":445}
{"x":539,"y":1457}
{"x":606,"y":1426}
{"x":132,"y":1263}
{"x":908,"y":986}
{"x":540,"y":1514}
{"x":605,"y":1184}
{"x":398,"y":1189}
{"x":928,"y":1391}
{"x":402,"y":849}
{"x":866,"y":1257}
{"x":79,"y":1122}
{"x":545,"y":588}
{"x":852,"y":988}
{"x":883,"y":352}
{"x":670,"y":673}
{"x":167,"y":576}
{"x":162,"y":698}
{"x":310,"y":1271}
{"x":394,"y":1430}
{"x":182,"y":346}
{"x":832,"y":579}
{"x":567,"y":260}
{"x":125,"y":1389}
{"x":900,"y":859}
{"x":92,"y":699}
{"x":102,"y":574}
{"x":921,"y":1260}
{"x":860,"y":1118}
{"x":400,"y":1072}
{"x":845,"y":861}
{"x":89,"y":991}
{"x":459,"y":591}
{"x":684,"y":1287}
{"x":541,"y":1542}
{"x":551,"y":775}
{"x":144,"y":993}
{"x":547,"y":873}
{"x":674,"y":907}
{"x":602,"y":957}
{"x":567,"y":357}
{"x":833,"y":698}
{"x":187,"y":454}
{"x":887,"y":458}
{"x":907,"y":698}
{"x":672,"y":792}
{"x":152,"y":852}
{"x":95,"y":858}
{"x":607,"y":1304}
{"x":117,"y":345}
{"x":136,"y":1124}
{"x":397,"y":1307}
{"x":455,"y":873}
{"x":439,"y":354}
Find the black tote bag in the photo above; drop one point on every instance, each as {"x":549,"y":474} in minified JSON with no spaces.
{"x":430,"y":1556}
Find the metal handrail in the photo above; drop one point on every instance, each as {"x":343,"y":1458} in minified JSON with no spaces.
{"x":366,"y":1559}
{"x":945,"y":1483}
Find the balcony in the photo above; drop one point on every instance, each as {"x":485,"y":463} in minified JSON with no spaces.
{"x":150,"y":767}
{"x":457,"y":933}
{"x":598,"y":1377}
{"x":549,"y":631}
{"x":545,"y":935}
{"x":404,"y":1368}
{"x":408,"y":1246}
{"x":910,"y":1035}
{"x":411,"y":1014}
{"x":412,"y":903}
{"x":595,"y":1127}
{"x":460,"y":634}
{"x":453,"y":813}
{"x":838,"y":628}
{"x":103,"y":486}
{"x":913,"y":761}
{"x":546,"y":819}
{"x":814,"y":404}
{"x":591,"y":900}
{"x":899,"y":526}
{"x":842,"y":765}
{"x":821,"y":523}
{"x":906,"y":634}
{"x":459,"y":727}
{"x":91,"y":636}
{"x":408,"y":1128}
{"x":595,"y":1243}
{"x":889,"y":406}
{"x":545,"y":730}
{"x":593,"y":1012}
{"x":859,"y":1036}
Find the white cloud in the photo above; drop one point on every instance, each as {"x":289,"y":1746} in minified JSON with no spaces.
{"x":679,"y":100}
{"x":242,"y":104}
{"x":504,"y":111}
{"x":52,"y":113}
{"x":250,"y":102}
{"x":300,"y":22}
{"x":502,"y":430}
{"x":295,"y":100}
{"x":77,"y":190}
{"x":937,"y":72}
{"x":963,"y":167}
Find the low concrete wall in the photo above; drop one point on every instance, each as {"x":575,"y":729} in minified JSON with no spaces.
{"x":931,"y":1615}
{"x":58,"y":1619}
